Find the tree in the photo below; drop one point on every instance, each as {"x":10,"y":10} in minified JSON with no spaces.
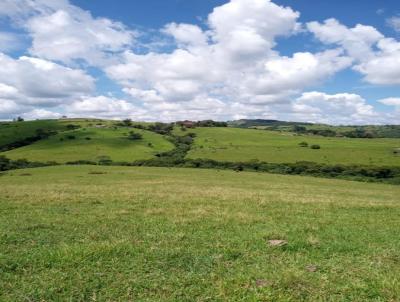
{"x":300,"y":129}
{"x":127,"y":122}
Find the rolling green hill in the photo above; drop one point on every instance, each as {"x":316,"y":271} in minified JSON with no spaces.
{"x":104,"y":139}
{"x":93,"y":144}
{"x":90,"y":233}
{"x":234,"y":144}
{"x":376,"y":131}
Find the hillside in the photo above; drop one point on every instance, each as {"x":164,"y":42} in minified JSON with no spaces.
{"x":234,"y":144}
{"x":360,"y":131}
{"x":13,"y":132}
{"x":135,"y":234}
{"x":93,"y":144}
{"x":204,"y":144}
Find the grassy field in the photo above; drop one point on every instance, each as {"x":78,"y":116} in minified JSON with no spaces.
{"x":156,"y":234}
{"x":233,"y":144}
{"x":93,"y":144}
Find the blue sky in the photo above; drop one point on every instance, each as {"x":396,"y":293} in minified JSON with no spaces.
{"x":316,"y":61}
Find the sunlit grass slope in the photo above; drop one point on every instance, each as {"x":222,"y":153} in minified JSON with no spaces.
{"x":156,"y":234}
{"x":93,"y":144}
{"x":233,"y":144}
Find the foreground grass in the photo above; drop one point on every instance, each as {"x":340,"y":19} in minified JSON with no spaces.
{"x":157,"y":234}
{"x":93,"y":144}
{"x":233,"y":144}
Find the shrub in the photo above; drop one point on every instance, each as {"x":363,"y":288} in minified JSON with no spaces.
{"x":127,"y":122}
{"x":299,"y":129}
{"x":70,"y":136}
{"x":303,"y":144}
{"x":161,"y":128}
{"x":315,"y":147}
{"x":72,"y":126}
{"x":134,"y":136}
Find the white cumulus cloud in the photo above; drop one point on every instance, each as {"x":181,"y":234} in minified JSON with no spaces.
{"x":341,"y":108}
{"x":376,"y":57}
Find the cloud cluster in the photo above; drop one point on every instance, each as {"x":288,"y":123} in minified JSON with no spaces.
{"x":227,"y":68}
{"x":29,"y":82}
{"x":230,"y":63}
{"x":342,"y":108}
{"x":377,"y":58}
{"x":63,"y":32}
{"x":394,"y":22}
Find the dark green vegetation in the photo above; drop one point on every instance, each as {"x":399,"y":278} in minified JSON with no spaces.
{"x":93,"y":233}
{"x":17,"y":134}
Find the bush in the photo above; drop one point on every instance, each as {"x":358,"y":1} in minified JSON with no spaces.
{"x":134,"y":136}
{"x":299,"y":129}
{"x":303,"y":144}
{"x":72,"y":127}
{"x":315,"y":147}
{"x":161,"y":128}
{"x":127,"y":122}
{"x":70,"y":136}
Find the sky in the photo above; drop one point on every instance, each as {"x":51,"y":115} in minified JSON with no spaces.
{"x":335,"y":62}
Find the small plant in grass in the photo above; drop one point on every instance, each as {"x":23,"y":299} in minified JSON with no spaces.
{"x":315,"y":147}
{"x":71,"y":136}
{"x":303,"y":144}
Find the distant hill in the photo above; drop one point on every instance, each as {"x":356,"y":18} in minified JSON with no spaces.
{"x":249,"y":123}
{"x":244,"y":145}
{"x":352,"y":131}
{"x":70,"y":140}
